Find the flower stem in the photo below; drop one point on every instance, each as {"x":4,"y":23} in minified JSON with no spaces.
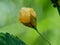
{"x":42,"y":36}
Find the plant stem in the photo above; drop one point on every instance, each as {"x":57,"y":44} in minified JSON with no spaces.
{"x":42,"y":36}
{"x":58,"y":10}
{"x":56,"y":3}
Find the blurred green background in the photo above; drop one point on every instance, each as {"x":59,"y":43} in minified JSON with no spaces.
{"x":48,"y":21}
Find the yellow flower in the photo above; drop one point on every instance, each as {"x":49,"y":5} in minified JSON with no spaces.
{"x":27,"y":16}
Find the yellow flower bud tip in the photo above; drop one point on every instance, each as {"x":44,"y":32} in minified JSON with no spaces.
{"x":27,"y":16}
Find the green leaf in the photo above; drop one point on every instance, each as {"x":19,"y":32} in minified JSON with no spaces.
{"x":7,"y":39}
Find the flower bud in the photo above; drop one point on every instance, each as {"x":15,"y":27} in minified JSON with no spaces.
{"x":27,"y":16}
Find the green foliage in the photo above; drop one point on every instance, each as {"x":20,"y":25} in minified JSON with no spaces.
{"x":7,"y":39}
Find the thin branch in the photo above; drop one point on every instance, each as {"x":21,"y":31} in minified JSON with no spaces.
{"x":42,"y":36}
{"x":56,"y":3}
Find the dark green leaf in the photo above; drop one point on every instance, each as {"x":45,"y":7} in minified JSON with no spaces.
{"x":7,"y":39}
